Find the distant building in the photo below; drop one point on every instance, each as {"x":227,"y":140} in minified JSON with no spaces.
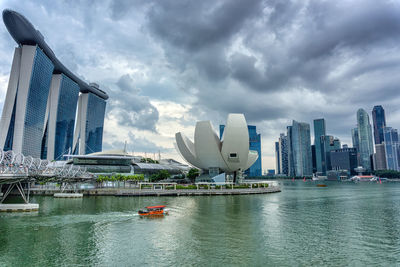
{"x":354,"y":138}
{"x":380,"y":157}
{"x":277,"y":158}
{"x":301,"y":146}
{"x":329,"y":143}
{"x":364,"y":139}
{"x":314,"y":159}
{"x":391,"y":141}
{"x":344,"y":159}
{"x":283,"y":154}
{"x":271,"y":172}
{"x":291,"y":171}
{"x":378,"y":118}
{"x":254,"y":144}
{"x":319,"y":130}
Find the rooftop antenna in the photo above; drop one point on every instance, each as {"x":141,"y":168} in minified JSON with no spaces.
{"x":125,"y":147}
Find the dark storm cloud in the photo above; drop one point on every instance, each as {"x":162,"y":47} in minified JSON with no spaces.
{"x":344,"y":50}
{"x":195,"y":25}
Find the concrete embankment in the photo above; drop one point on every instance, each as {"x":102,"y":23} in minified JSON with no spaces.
{"x":150,"y":192}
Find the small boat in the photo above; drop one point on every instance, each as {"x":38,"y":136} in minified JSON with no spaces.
{"x":153,"y":210}
{"x":321,"y":185}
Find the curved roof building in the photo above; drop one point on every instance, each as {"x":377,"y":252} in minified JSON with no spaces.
{"x":23,"y":32}
{"x":48,"y":111}
{"x":208,"y":152}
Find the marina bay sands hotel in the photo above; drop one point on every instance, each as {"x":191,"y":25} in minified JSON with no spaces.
{"x":48,"y":111}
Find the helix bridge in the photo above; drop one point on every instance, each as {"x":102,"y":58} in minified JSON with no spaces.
{"x":17,"y":169}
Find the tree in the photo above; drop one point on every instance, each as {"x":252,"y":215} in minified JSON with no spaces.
{"x":192,"y":174}
{"x":161,"y":175}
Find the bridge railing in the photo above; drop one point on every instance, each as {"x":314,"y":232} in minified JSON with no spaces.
{"x":17,"y":163}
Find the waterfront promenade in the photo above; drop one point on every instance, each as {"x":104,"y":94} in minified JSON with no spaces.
{"x":165,"y":192}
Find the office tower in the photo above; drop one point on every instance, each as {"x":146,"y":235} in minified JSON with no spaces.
{"x":38,"y":121}
{"x":319,"y":130}
{"x":344,"y":159}
{"x":277,"y":158}
{"x":89,"y":127}
{"x":301,"y":146}
{"x":329,"y":143}
{"x":354,"y":138}
{"x":391,"y":141}
{"x":291,"y":171}
{"x":61,"y":110}
{"x":364,"y":139}
{"x":314,"y":160}
{"x":254,"y":144}
{"x":22,"y":120}
{"x":283,"y":154}
{"x":380,"y":157}
{"x":378,"y":118}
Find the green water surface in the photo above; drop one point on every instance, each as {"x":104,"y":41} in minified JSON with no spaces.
{"x":340,"y":225}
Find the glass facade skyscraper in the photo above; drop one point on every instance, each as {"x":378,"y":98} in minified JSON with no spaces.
{"x":364,"y":139}
{"x":89,"y":131}
{"x":329,"y":143}
{"x":254,"y":144}
{"x":22,"y":123}
{"x":277,"y":159}
{"x":378,"y":118}
{"x":62,"y":105}
{"x":38,"y":116}
{"x":291,"y":171}
{"x":319,"y":130}
{"x":391,"y":141}
{"x":95,"y":122}
{"x":301,"y":147}
{"x":283,"y":154}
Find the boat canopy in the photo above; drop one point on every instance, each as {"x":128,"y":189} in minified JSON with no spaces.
{"x":155,"y":207}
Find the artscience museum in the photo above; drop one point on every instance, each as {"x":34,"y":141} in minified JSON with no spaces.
{"x":228,"y":156}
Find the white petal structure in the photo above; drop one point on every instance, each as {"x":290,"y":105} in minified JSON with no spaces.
{"x":229,"y":155}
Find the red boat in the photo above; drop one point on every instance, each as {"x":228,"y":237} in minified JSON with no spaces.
{"x":153,"y":210}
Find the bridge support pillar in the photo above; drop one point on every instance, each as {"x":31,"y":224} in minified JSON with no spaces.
{"x":18,"y":207}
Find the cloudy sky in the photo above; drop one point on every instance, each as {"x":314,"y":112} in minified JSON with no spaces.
{"x":167,"y":64}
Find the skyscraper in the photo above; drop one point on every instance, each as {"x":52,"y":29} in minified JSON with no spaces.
{"x":344,"y":159}
{"x":277,"y":159}
{"x":22,"y":120}
{"x":391,"y":141}
{"x":254,"y":144}
{"x":291,"y":171}
{"x":380,"y":157}
{"x":283,"y":154}
{"x":329,"y":143}
{"x":364,"y":139}
{"x":378,"y":118}
{"x":301,"y":146}
{"x":39,"y":113}
{"x":89,"y":129}
{"x":319,"y":130}
{"x":61,"y":111}
{"x":354,"y":138}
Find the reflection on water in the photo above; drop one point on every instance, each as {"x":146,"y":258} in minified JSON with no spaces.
{"x":342,"y":224}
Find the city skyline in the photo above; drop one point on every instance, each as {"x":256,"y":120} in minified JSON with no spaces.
{"x":175,"y":79}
